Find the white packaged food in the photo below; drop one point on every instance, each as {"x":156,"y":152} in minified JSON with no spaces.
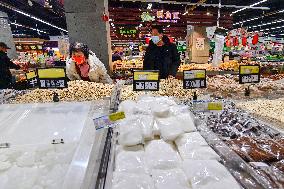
{"x":130,"y":162}
{"x":132,"y":181}
{"x":199,"y":153}
{"x":156,"y":129}
{"x":161,"y":155}
{"x":187,"y":122}
{"x":130,"y":132}
{"x":160,"y":110}
{"x":128,"y":107}
{"x":170,"y":179}
{"x":147,"y":122}
{"x":170,"y":128}
{"x":208,"y":174}
{"x":190,"y":140}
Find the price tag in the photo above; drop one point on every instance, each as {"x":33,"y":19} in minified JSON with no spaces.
{"x":32,"y":80}
{"x":108,"y":121}
{"x":249,"y":74}
{"x":116,"y":116}
{"x":195,"y":78}
{"x":146,"y":80}
{"x":218,"y":106}
{"x":52,"y":78}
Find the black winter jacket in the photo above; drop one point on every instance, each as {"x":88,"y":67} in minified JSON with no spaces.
{"x":166,"y":58}
{"x":5,"y":74}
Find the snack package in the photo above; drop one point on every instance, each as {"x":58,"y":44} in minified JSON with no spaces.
{"x":208,"y":174}
{"x":161,"y":155}
{"x":131,"y":181}
{"x":170,"y":179}
{"x":130,"y":132}
{"x":147,"y":122}
{"x":170,"y":128}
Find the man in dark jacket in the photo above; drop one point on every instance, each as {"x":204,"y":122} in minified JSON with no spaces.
{"x":161,"y":55}
{"x":5,"y":65}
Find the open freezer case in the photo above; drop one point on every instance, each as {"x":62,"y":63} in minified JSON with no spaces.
{"x":50,"y":146}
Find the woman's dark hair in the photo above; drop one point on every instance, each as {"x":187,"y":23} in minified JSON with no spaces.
{"x":159,"y":28}
{"x":80,"y":47}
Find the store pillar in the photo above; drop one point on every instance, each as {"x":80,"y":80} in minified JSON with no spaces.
{"x":6,"y":34}
{"x":85,"y":24}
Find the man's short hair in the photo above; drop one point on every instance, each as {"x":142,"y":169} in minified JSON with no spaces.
{"x":158,"y":28}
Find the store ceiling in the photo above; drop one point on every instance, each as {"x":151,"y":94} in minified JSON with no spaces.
{"x":128,"y":13}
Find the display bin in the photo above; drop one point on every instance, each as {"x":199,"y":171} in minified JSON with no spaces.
{"x":52,"y":145}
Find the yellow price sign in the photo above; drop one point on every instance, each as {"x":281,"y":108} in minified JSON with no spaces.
{"x":215,"y":106}
{"x":51,"y":73}
{"x":249,"y":69}
{"x":116,"y":116}
{"x":31,"y":75}
{"x":150,"y":76}
{"x":200,"y":74}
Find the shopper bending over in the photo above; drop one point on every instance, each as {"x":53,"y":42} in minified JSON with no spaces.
{"x":5,"y":65}
{"x":84,"y":65}
{"x":161,"y":55}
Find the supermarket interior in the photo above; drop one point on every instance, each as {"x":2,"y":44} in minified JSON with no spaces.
{"x":141,"y":94}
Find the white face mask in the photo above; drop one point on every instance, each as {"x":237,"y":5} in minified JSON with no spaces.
{"x":155,"y":39}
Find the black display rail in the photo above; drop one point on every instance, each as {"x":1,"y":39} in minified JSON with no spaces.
{"x":248,"y":176}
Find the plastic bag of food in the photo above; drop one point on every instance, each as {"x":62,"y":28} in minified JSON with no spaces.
{"x":132,"y":181}
{"x":170,"y":179}
{"x":187,"y":122}
{"x":161,"y":155}
{"x":147,"y":122}
{"x":156,"y":129}
{"x":170,"y":128}
{"x":191,"y":140}
{"x":160,"y":110}
{"x":128,"y":107}
{"x":130,"y":162}
{"x":130,"y":132}
{"x":208,"y":174}
{"x":198,"y":153}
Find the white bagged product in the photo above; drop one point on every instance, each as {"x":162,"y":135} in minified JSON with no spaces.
{"x":130,"y":162}
{"x":170,"y":179}
{"x":208,"y":174}
{"x":191,"y":140}
{"x":156,"y":129}
{"x":131,"y":181}
{"x":147,"y":122}
{"x":128,"y":107}
{"x":170,"y":128}
{"x":187,"y":122}
{"x":199,"y":153}
{"x":130,"y":133}
{"x":160,"y":110}
{"x":161,"y":155}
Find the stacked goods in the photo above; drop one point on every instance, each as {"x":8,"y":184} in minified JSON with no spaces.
{"x":256,"y":143}
{"x":231,"y":65}
{"x":127,"y":64}
{"x":208,"y":67}
{"x":76,"y":91}
{"x":159,"y":148}
{"x":270,"y":110}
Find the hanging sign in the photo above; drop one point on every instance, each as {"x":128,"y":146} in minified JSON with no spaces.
{"x":193,"y":79}
{"x":32,"y":80}
{"x":249,"y":74}
{"x":171,"y":17}
{"x":128,"y":33}
{"x":144,"y":80}
{"x":52,"y":78}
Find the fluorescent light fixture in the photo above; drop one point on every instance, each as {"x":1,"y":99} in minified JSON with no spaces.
{"x":256,"y":18}
{"x":265,"y":24}
{"x":34,"y":29}
{"x":249,"y":6}
{"x":32,"y":17}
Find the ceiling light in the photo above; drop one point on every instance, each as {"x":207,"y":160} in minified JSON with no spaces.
{"x":249,"y":6}
{"x":32,"y":17}
{"x":150,"y":6}
{"x":34,"y":29}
